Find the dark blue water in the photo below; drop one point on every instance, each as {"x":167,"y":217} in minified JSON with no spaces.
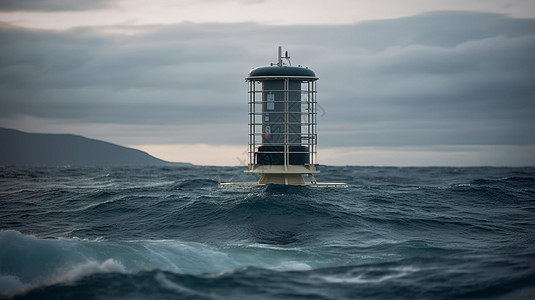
{"x":394,"y":233}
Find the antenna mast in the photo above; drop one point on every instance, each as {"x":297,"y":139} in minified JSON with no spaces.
{"x":280,"y":57}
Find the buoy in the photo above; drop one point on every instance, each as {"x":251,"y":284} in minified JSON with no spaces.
{"x":282,"y":125}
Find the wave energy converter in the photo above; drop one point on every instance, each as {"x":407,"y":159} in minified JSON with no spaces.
{"x":282,"y":125}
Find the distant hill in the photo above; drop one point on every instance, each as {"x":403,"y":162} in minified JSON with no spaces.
{"x":21,"y":148}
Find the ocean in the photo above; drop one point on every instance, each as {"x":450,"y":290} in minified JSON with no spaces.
{"x":171,"y":233}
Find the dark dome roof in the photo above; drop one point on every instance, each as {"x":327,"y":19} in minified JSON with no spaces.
{"x":271,"y":71}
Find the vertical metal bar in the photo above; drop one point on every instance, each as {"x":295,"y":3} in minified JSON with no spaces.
{"x":254,"y":121}
{"x":314,"y":120}
{"x":309,"y":124}
{"x":253,"y":116}
{"x":286,"y":119}
{"x":311,"y":116}
{"x":314,"y":136}
{"x":251,"y":130}
{"x":255,"y":94}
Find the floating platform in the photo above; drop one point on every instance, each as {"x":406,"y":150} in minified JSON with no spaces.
{"x":241,"y":185}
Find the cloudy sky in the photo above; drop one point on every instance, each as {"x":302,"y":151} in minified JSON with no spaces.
{"x":412,"y":82}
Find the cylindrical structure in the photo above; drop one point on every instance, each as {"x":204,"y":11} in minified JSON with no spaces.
{"x":282,"y":126}
{"x":282,"y":117}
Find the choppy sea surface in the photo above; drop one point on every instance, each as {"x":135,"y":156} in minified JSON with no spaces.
{"x":171,"y":233}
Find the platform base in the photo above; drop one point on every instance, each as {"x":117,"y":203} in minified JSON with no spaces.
{"x":286,"y":179}
{"x":241,"y":185}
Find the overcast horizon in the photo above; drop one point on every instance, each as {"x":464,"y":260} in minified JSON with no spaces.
{"x":442,"y":84}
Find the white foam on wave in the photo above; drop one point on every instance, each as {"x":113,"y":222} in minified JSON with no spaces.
{"x":293,"y":266}
{"x":12,"y":283}
{"x":34,"y":262}
{"x":364,"y":278}
{"x":272,"y":247}
{"x":81,"y":270}
{"x":462,"y":185}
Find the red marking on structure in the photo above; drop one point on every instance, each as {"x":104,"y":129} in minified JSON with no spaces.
{"x":267,"y":135}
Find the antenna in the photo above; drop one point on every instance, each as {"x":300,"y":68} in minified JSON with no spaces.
{"x":279,"y":61}
{"x":287,"y":57}
{"x":280,"y":57}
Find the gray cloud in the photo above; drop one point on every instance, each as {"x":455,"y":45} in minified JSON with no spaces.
{"x":52,"y":5}
{"x":435,"y":79}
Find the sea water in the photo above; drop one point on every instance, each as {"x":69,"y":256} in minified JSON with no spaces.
{"x":171,"y":233}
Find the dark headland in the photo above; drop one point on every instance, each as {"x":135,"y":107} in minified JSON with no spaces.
{"x":21,"y":148}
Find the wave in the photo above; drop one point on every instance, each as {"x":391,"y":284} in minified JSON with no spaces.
{"x":27,"y":261}
{"x":403,"y":279}
{"x":31,"y":264}
{"x":165,"y":233}
{"x":511,"y":181}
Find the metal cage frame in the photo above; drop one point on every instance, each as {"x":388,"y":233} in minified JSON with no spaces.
{"x":308,"y":118}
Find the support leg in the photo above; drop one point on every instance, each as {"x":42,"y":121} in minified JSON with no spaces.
{"x":312,"y":178}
